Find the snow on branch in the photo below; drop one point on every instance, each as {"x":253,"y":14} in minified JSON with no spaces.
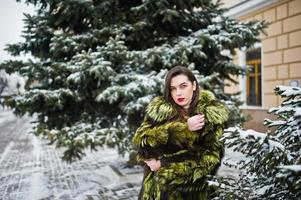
{"x":296,"y":168}
{"x":287,"y":91}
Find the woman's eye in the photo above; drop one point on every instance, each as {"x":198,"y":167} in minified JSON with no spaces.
{"x":183,"y":86}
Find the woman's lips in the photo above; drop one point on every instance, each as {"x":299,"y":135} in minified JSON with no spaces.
{"x":180,"y":99}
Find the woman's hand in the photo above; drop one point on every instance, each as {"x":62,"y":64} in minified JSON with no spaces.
{"x":153,"y":164}
{"x":196,"y":122}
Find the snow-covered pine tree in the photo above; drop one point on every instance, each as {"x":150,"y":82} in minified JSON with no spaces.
{"x":272,"y":167}
{"x":3,"y":82}
{"x":97,"y":63}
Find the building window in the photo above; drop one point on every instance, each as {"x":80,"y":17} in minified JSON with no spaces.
{"x":253,"y":78}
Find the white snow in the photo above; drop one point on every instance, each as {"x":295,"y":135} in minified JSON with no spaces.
{"x":262,"y":190}
{"x":34,"y":170}
{"x":250,"y":132}
{"x":289,"y":91}
{"x":246,"y":133}
{"x":7,"y":149}
{"x":5,"y":116}
{"x":276,"y":144}
{"x":296,"y":168}
{"x":213,"y":183}
{"x":276,"y":122}
{"x":15,"y":83}
{"x":297,"y":112}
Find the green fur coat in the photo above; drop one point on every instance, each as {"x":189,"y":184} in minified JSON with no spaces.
{"x":186,"y":156}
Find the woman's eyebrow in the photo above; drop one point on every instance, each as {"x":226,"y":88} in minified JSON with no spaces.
{"x":179,"y":84}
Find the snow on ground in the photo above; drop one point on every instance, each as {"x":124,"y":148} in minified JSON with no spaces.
{"x":32,"y":170}
{"x":230,"y":157}
{"x":5,"y":116}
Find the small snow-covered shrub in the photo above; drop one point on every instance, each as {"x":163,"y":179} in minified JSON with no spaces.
{"x":272,"y":166}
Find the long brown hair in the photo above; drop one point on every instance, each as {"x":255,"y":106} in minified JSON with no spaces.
{"x":175,"y":71}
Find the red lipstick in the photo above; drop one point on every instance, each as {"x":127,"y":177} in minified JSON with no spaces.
{"x":180,"y":99}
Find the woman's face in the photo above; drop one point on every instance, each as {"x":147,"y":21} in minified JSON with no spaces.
{"x":181,"y":89}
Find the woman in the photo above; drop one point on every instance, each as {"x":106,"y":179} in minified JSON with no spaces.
{"x":179,"y":140}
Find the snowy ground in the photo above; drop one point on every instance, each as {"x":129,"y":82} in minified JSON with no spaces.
{"x":32,"y":170}
{"x":230,"y":157}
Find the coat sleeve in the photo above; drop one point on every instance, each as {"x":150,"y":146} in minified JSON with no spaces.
{"x":216,"y":115}
{"x":209,"y":149}
{"x":148,"y":135}
{"x":149,"y":139}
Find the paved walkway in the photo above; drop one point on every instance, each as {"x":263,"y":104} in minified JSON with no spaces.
{"x":32,"y":170}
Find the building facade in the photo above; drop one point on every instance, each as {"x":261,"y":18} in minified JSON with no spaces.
{"x":276,"y":60}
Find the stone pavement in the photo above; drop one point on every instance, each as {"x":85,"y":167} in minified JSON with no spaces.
{"x":32,"y":170}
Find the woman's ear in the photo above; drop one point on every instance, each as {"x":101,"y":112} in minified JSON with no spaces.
{"x":194,"y":85}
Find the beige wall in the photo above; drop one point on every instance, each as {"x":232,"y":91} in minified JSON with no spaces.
{"x":281,"y":47}
{"x":233,"y":88}
{"x":257,"y":119}
{"x":281,"y":55}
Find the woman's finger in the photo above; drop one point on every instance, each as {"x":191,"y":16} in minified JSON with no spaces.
{"x":200,"y":121}
{"x":199,"y":117}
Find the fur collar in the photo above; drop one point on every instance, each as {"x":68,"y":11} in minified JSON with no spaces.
{"x":160,"y":110}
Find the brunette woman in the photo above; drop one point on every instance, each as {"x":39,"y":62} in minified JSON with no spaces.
{"x":179,"y":140}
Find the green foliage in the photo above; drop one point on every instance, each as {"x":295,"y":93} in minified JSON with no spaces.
{"x":97,"y":63}
{"x":272,"y":168}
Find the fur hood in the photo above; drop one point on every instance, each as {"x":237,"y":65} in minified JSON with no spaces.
{"x":159,"y":110}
